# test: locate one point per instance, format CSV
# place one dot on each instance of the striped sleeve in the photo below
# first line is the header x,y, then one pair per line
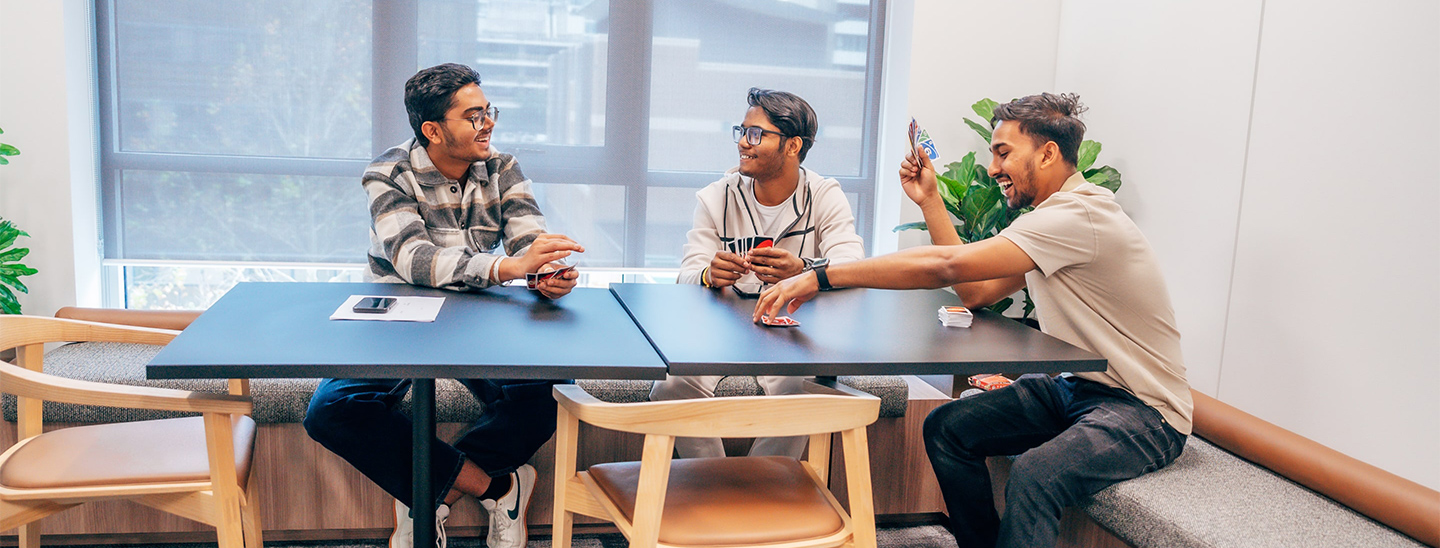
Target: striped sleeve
x,y
520,216
401,241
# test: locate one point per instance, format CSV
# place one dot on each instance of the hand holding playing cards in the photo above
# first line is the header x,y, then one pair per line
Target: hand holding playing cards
x,y
547,248
727,268
917,177
558,285
786,297
772,264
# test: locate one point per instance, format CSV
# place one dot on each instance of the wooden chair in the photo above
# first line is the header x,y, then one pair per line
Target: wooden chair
x,y
194,467
777,502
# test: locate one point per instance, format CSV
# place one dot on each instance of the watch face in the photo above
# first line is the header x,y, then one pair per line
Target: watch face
x,y
819,262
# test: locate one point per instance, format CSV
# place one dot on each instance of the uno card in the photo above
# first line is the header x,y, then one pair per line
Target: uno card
x,y
780,321
922,138
764,241
533,279
989,381
914,129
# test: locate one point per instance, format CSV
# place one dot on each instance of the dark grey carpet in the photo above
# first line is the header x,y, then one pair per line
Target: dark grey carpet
x,y
923,536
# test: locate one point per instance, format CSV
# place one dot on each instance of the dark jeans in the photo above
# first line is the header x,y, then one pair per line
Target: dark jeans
x,y
358,419
1074,437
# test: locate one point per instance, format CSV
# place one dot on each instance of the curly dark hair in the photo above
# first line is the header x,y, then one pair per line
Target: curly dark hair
x,y
791,114
430,92
1048,117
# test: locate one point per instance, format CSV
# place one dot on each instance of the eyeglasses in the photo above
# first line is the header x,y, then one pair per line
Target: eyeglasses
x,y
753,134
478,119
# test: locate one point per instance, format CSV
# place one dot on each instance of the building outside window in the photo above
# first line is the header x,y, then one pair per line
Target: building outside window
x,y
234,136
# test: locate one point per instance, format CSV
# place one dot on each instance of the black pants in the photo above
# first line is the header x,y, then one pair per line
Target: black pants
x,y
358,420
1074,437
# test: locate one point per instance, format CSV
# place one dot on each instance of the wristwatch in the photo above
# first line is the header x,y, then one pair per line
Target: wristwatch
x,y
818,265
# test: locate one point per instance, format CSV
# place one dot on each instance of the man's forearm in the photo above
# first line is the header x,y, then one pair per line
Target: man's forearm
x,y
926,267
937,222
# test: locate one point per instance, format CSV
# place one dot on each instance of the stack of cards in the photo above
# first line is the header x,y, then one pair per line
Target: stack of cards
x,y
533,279
919,136
989,381
780,321
955,316
741,246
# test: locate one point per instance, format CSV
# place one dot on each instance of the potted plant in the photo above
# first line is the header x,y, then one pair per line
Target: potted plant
x,y
975,200
11,269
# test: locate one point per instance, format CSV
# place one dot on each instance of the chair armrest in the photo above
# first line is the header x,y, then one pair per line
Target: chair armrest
x,y
16,331
177,320
33,384
1390,499
744,416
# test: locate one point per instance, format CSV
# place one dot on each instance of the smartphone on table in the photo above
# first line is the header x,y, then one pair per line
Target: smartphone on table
x,y
374,305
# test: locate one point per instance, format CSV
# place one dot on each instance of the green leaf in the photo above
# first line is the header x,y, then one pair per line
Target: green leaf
x,y
951,191
1089,150
9,307
910,226
8,150
990,220
985,109
1029,303
14,282
16,270
1002,306
962,172
3,161
5,293
984,131
1112,178
14,254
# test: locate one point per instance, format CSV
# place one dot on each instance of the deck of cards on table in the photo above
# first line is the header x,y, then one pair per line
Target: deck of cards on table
x,y
955,316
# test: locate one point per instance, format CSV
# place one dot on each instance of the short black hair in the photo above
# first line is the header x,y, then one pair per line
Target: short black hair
x,y
430,92
788,112
1048,117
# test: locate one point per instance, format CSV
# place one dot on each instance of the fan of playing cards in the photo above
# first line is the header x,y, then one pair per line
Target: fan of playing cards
x,y
955,316
918,136
533,279
741,246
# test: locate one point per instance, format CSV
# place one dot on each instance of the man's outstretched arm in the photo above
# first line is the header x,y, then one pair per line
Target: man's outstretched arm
x,y
997,261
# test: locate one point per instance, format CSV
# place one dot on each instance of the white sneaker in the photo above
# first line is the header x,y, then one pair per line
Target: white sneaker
x,y
404,535
507,515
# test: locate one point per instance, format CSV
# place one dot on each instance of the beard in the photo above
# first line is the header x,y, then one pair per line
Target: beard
x,y
1021,195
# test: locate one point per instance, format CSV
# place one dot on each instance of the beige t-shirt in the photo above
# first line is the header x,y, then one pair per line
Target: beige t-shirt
x,y
1099,287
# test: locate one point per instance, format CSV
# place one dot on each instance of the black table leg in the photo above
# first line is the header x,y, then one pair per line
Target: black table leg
x,y
423,430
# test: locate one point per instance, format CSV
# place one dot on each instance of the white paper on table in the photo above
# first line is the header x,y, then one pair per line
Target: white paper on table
x,y
406,309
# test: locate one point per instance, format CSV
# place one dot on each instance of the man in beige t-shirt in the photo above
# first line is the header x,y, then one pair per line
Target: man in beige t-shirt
x,y
1096,285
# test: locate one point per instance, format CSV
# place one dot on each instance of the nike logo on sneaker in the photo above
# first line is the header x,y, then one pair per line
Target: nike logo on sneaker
x,y
514,513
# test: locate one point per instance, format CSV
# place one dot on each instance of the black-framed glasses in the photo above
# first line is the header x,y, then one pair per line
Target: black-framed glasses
x,y
753,134
478,119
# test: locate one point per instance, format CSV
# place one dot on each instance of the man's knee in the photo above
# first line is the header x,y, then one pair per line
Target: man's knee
x,y
946,425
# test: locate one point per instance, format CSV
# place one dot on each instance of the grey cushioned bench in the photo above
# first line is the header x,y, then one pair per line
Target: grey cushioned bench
x,y
1209,498
285,400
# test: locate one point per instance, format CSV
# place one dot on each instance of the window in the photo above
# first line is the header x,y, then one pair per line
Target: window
x,y
233,135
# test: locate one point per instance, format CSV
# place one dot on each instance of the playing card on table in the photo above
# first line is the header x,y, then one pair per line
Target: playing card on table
x,y
780,321
955,316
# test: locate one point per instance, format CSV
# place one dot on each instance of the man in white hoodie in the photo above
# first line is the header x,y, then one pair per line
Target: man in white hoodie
x,y
769,195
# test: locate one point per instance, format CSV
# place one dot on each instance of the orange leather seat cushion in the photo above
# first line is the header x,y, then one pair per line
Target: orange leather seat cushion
x,y
158,451
729,501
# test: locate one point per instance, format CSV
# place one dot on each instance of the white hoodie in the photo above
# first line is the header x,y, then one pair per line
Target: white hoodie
x,y
818,215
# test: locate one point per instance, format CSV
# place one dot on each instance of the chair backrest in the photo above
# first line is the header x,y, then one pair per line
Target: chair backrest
x,y
744,416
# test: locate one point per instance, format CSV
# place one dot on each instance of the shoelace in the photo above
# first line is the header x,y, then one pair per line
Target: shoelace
x,y
440,540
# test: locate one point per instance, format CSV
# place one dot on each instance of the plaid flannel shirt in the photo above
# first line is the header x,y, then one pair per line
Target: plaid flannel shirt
x,y
432,231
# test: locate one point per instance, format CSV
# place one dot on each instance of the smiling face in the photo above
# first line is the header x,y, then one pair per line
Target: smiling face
x,y
455,137
1014,162
770,158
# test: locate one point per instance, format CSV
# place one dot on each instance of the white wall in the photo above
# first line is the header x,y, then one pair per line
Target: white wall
x,y
47,45
1290,203
963,52
1335,309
